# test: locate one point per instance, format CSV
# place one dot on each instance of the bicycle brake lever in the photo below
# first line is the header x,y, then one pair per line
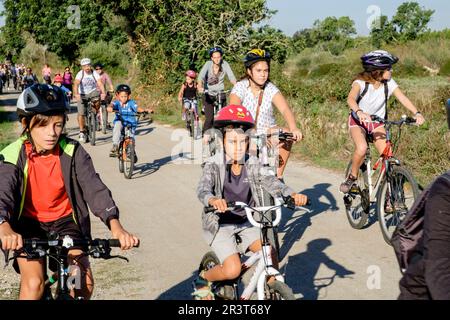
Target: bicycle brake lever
x,y
6,254
118,257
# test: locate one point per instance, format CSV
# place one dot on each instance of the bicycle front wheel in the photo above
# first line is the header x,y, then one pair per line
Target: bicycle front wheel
x,y
129,159
277,290
396,196
121,165
357,201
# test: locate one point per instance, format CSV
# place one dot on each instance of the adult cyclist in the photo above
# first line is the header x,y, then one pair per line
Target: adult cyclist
x,y
212,78
88,85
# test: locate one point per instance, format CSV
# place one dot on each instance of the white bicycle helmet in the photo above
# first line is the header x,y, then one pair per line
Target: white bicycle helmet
x,y
85,61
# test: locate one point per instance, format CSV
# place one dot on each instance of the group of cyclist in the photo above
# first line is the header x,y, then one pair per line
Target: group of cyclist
x,y
43,154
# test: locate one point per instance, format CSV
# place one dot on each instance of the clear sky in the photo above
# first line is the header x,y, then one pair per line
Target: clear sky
x,y
294,15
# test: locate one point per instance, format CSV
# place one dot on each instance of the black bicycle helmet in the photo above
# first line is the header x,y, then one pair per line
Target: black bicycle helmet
x,y
123,88
42,99
215,49
98,65
254,56
378,60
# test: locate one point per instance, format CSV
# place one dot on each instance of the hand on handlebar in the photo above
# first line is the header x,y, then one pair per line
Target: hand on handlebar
x,y
297,135
420,120
9,240
364,117
300,199
219,204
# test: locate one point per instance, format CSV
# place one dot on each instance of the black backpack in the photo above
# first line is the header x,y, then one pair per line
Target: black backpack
x,y
407,237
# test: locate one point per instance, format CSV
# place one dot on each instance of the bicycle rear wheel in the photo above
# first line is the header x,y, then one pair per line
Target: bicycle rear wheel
x,y
277,290
128,158
92,123
103,115
395,197
357,201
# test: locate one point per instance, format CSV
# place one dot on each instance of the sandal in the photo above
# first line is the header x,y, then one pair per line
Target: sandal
x,y
202,288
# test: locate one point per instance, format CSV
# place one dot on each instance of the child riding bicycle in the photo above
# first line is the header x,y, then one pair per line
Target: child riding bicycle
x,y
48,183
229,177
369,96
127,108
188,94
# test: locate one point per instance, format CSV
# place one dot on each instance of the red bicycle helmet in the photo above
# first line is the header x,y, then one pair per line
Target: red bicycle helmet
x,y
191,74
237,116
58,78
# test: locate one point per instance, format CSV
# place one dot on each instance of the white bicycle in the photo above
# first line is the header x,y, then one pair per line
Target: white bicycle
x,y
266,280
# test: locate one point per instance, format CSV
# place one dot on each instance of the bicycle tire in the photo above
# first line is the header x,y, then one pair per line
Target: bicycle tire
x,y
400,207
104,116
272,233
277,290
208,261
357,214
92,128
121,158
129,161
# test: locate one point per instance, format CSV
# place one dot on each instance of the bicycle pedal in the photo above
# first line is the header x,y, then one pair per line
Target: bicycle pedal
x,y
225,292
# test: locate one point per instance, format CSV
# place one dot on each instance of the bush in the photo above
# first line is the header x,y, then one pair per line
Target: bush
x,y
115,57
445,69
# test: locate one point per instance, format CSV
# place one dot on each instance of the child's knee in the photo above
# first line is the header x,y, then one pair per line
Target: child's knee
x,y
361,150
33,284
231,270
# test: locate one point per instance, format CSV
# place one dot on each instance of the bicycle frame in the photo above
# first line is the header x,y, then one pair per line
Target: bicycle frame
x,y
383,164
265,266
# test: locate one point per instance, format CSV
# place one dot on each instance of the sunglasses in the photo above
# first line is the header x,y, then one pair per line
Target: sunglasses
x,y
98,68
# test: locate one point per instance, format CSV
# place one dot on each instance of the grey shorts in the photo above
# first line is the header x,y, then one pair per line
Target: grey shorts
x,y
82,105
224,243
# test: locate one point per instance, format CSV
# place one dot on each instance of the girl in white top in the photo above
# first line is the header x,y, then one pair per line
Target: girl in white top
x,y
247,93
378,74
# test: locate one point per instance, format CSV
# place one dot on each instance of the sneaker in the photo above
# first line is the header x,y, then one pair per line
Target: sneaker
x,y
347,185
114,151
82,137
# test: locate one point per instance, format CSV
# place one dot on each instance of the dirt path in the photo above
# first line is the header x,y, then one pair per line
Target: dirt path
x,y
159,204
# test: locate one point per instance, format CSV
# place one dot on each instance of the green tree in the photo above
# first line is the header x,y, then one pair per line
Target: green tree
x,y
170,36
411,20
383,32
47,22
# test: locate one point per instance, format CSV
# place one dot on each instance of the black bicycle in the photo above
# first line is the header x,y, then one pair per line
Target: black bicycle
x,y
56,250
93,107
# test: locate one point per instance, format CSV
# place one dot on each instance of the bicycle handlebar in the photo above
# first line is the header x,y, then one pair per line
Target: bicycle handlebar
x,y
287,202
404,120
68,242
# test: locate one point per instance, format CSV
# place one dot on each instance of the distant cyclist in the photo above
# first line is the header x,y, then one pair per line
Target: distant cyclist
x,y
29,78
87,86
212,78
47,74
107,83
369,95
188,94
127,108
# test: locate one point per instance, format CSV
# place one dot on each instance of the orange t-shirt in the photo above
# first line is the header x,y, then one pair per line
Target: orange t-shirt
x,y
46,199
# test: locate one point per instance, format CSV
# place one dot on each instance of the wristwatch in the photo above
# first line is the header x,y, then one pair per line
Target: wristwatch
x,y
418,112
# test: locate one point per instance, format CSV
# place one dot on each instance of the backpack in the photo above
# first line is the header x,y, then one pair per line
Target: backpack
x,y
407,238
386,95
